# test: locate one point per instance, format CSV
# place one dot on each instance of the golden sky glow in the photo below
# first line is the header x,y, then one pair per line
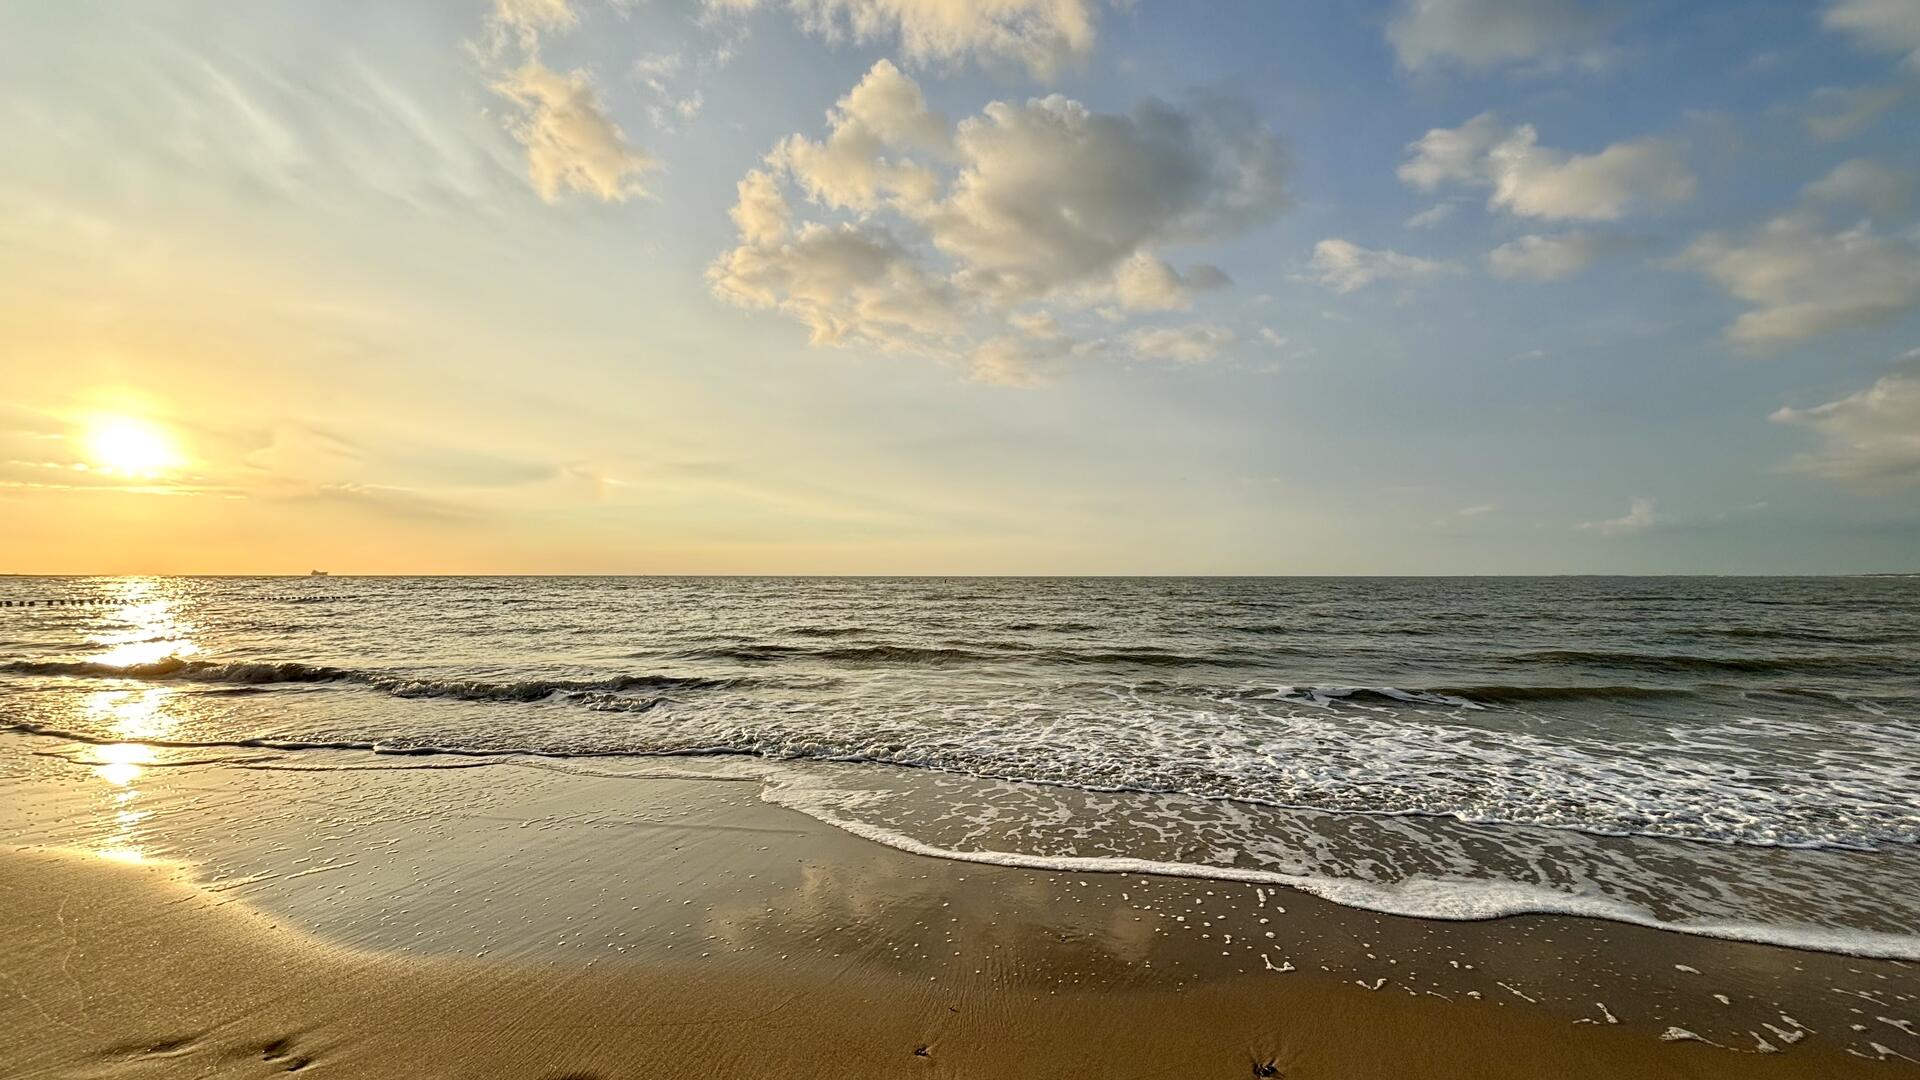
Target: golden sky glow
x,y
980,286
132,447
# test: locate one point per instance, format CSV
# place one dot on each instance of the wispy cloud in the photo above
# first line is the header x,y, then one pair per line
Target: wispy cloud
x,y
1344,266
1872,437
1639,517
1042,35
1485,33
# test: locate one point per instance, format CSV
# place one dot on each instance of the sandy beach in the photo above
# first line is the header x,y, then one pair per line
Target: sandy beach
x,y
375,918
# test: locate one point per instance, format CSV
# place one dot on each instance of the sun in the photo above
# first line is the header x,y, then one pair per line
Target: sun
x,y
131,447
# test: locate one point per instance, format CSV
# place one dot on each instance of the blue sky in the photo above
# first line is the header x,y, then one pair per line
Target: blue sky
x,y
934,286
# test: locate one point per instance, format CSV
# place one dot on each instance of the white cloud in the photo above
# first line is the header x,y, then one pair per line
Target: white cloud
x,y
1535,181
655,68
1146,283
842,281
761,212
1192,344
1464,514
849,168
1803,279
1879,25
1482,33
1344,266
1639,516
1549,258
1051,194
1013,360
1433,215
1044,203
1885,193
1841,113
1872,437
1039,325
572,144
1040,34
523,21
1274,338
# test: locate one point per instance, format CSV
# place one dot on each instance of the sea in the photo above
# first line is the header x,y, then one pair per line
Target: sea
x,y
1732,757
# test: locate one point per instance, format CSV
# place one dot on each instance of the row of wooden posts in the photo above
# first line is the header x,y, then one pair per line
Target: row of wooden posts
x,y
91,601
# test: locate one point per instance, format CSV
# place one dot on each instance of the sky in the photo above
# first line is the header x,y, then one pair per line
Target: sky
x,y
960,286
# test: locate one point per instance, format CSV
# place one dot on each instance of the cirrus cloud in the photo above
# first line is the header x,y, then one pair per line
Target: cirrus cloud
x,y
1039,34
1484,33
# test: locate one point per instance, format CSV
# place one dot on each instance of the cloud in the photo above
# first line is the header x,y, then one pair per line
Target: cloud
x,y
1885,193
1872,437
1145,283
1841,113
956,240
1464,514
1535,181
523,21
1192,344
1549,258
572,144
1878,25
1039,34
844,282
848,169
1051,194
1025,360
1344,266
1433,215
1803,279
1639,516
1484,33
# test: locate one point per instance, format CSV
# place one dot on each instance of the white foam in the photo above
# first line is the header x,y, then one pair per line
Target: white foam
x,y
1450,899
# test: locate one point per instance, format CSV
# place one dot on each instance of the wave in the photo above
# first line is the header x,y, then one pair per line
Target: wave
x,y
1329,695
1516,695
1448,899
1682,662
938,656
264,672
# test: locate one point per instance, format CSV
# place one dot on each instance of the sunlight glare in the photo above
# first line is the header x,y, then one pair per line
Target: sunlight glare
x,y
131,446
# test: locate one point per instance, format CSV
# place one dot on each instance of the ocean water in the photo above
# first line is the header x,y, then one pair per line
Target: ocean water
x,y
1738,757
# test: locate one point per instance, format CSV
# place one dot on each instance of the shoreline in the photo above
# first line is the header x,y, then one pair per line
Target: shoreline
x,y
1451,900
531,900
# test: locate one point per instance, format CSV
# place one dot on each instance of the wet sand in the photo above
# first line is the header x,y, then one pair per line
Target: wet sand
x,y
242,918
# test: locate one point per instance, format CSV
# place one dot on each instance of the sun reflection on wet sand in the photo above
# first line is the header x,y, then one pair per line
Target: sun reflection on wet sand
x,y
133,715
130,714
146,627
120,763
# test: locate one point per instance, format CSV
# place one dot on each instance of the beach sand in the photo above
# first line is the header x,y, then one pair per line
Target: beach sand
x,y
240,918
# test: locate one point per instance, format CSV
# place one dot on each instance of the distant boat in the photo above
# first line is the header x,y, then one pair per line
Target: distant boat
x,y
316,573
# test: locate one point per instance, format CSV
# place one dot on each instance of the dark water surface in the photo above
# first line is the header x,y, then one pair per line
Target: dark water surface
x,y
1733,756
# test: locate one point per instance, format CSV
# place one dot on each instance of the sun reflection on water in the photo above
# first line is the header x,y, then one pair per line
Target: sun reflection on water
x,y
132,715
152,628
